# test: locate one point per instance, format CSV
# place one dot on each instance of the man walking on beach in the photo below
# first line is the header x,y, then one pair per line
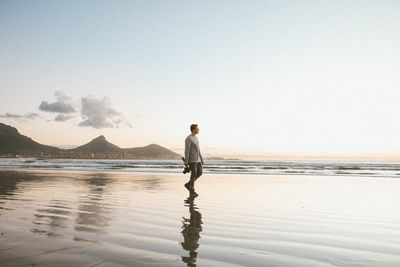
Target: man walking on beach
x,y
193,156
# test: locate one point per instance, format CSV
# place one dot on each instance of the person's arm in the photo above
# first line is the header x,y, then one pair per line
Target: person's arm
x,y
187,150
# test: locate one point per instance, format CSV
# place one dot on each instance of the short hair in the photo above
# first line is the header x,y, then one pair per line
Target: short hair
x,y
193,127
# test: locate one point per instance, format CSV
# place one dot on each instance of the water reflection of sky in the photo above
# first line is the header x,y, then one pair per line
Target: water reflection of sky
x,y
88,218
60,201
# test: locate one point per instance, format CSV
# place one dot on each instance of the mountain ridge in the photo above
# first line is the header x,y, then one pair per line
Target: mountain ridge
x,y
13,143
98,145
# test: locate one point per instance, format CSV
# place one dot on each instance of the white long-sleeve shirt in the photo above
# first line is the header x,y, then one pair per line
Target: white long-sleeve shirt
x,y
192,149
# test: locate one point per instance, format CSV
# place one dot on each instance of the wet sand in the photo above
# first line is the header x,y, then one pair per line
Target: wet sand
x,y
50,218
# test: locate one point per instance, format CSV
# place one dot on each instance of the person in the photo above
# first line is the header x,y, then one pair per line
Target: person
x,y
193,157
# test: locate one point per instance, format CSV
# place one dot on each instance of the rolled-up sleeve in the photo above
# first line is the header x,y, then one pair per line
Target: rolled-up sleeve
x,y
187,150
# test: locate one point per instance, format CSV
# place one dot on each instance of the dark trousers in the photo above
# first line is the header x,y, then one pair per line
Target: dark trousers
x,y
196,170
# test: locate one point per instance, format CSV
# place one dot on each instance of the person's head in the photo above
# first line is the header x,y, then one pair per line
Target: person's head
x,y
194,128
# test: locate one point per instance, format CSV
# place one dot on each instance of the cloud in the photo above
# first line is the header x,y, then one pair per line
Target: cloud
x,y
62,117
19,117
98,113
62,105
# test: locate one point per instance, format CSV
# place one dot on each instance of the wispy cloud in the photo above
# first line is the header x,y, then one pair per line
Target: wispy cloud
x,y
32,115
18,117
11,116
62,105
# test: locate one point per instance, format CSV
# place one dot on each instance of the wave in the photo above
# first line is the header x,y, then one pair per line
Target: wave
x,y
367,169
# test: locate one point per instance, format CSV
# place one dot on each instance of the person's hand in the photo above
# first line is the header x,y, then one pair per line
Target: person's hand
x,y
186,164
202,163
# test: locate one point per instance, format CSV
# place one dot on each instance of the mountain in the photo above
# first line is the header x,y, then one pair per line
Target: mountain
x,y
98,145
12,142
153,151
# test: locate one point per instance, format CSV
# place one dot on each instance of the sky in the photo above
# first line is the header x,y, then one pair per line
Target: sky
x,y
260,78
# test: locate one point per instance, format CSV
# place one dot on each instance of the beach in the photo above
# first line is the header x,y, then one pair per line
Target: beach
x,y
81,218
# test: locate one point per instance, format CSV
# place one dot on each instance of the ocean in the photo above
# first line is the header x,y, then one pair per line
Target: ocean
x,y
319,168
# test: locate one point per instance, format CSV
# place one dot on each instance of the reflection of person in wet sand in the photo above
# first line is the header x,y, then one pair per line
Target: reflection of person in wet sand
x,y
191,229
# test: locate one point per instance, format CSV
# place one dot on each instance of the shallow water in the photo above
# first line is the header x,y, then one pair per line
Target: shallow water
x,y
135,219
